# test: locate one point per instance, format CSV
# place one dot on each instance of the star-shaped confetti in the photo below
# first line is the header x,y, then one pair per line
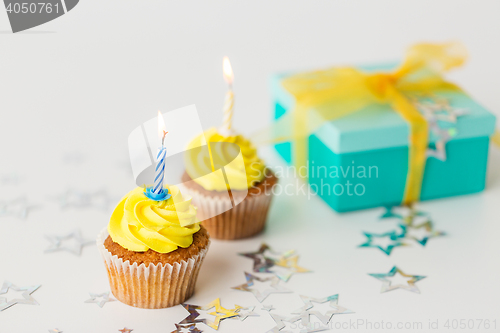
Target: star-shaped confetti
x,y
219,314
100,299
421,233
305,311
283,264
125,330
441,117
387,285
439,109
9,179
19,208
261,296
186,328
80,199
268,308
244,312
73,157
389,213
289,266
261,263
439,152
27,298
408,214
56,243
392,240
281,320
55,330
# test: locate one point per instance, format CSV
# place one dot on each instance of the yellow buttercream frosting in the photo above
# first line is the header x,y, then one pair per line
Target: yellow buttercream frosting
x,y
139,223
242,170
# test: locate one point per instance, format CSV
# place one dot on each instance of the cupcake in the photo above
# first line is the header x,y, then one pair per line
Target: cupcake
x,y
153,250
232,204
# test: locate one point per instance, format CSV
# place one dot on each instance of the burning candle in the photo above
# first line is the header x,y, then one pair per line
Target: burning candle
x,y
160,157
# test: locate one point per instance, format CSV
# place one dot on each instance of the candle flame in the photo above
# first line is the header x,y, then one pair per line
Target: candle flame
x,y
162,130
227,70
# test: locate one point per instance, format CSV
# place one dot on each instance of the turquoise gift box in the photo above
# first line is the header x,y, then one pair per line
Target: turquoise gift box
x,y
361,160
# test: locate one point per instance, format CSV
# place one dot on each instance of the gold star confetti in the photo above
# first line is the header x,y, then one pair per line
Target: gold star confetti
x,y
219,314
126,330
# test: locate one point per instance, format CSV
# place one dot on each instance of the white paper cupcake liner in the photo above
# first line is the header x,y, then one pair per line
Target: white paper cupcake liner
x,y
153,286
223,221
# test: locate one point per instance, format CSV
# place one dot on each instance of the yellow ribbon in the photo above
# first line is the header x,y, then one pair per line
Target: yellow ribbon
x,y
496,138
337,92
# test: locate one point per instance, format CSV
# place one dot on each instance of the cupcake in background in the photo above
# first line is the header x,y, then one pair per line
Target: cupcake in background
x,y
233,202
153,250
228,181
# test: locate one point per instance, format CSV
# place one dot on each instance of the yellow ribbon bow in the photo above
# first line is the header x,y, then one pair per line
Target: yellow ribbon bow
x,y
337,92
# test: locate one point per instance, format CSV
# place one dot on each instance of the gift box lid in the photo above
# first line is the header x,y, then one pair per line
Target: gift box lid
x,y
378,126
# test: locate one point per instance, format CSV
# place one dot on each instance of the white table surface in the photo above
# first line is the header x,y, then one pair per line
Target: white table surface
x,y
80,84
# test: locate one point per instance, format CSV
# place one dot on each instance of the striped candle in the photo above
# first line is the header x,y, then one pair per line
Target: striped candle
x,y
160,170
229,102
160,157
228,110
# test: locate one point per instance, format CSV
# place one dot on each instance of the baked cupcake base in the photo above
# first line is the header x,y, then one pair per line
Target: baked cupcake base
x,y
150,279
246,219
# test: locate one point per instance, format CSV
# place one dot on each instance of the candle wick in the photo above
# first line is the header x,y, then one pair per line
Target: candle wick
x,y
163,139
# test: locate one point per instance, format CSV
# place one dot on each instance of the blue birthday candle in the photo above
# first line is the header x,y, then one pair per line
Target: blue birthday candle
x,y
157,192
160,169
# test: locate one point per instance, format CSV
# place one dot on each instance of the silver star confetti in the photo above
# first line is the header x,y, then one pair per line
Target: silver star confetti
x,y
421,233
186,328
79,199
9,179
18,208
281,320
305,311
73,157
261,296
27,298
244,312
76,248
435,110
387,284
283,265
438,153
261,263
100,299
268,308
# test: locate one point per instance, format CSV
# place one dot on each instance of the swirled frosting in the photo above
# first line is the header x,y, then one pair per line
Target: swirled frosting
x,y
139,223
241,174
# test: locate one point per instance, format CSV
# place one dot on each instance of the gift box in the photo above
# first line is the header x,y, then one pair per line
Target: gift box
x,y
361,159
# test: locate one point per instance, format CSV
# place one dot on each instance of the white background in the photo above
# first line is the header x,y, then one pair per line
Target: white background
x,y
80,84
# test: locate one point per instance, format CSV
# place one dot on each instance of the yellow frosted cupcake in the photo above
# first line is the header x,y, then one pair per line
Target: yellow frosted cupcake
x,y
233,203
153,250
